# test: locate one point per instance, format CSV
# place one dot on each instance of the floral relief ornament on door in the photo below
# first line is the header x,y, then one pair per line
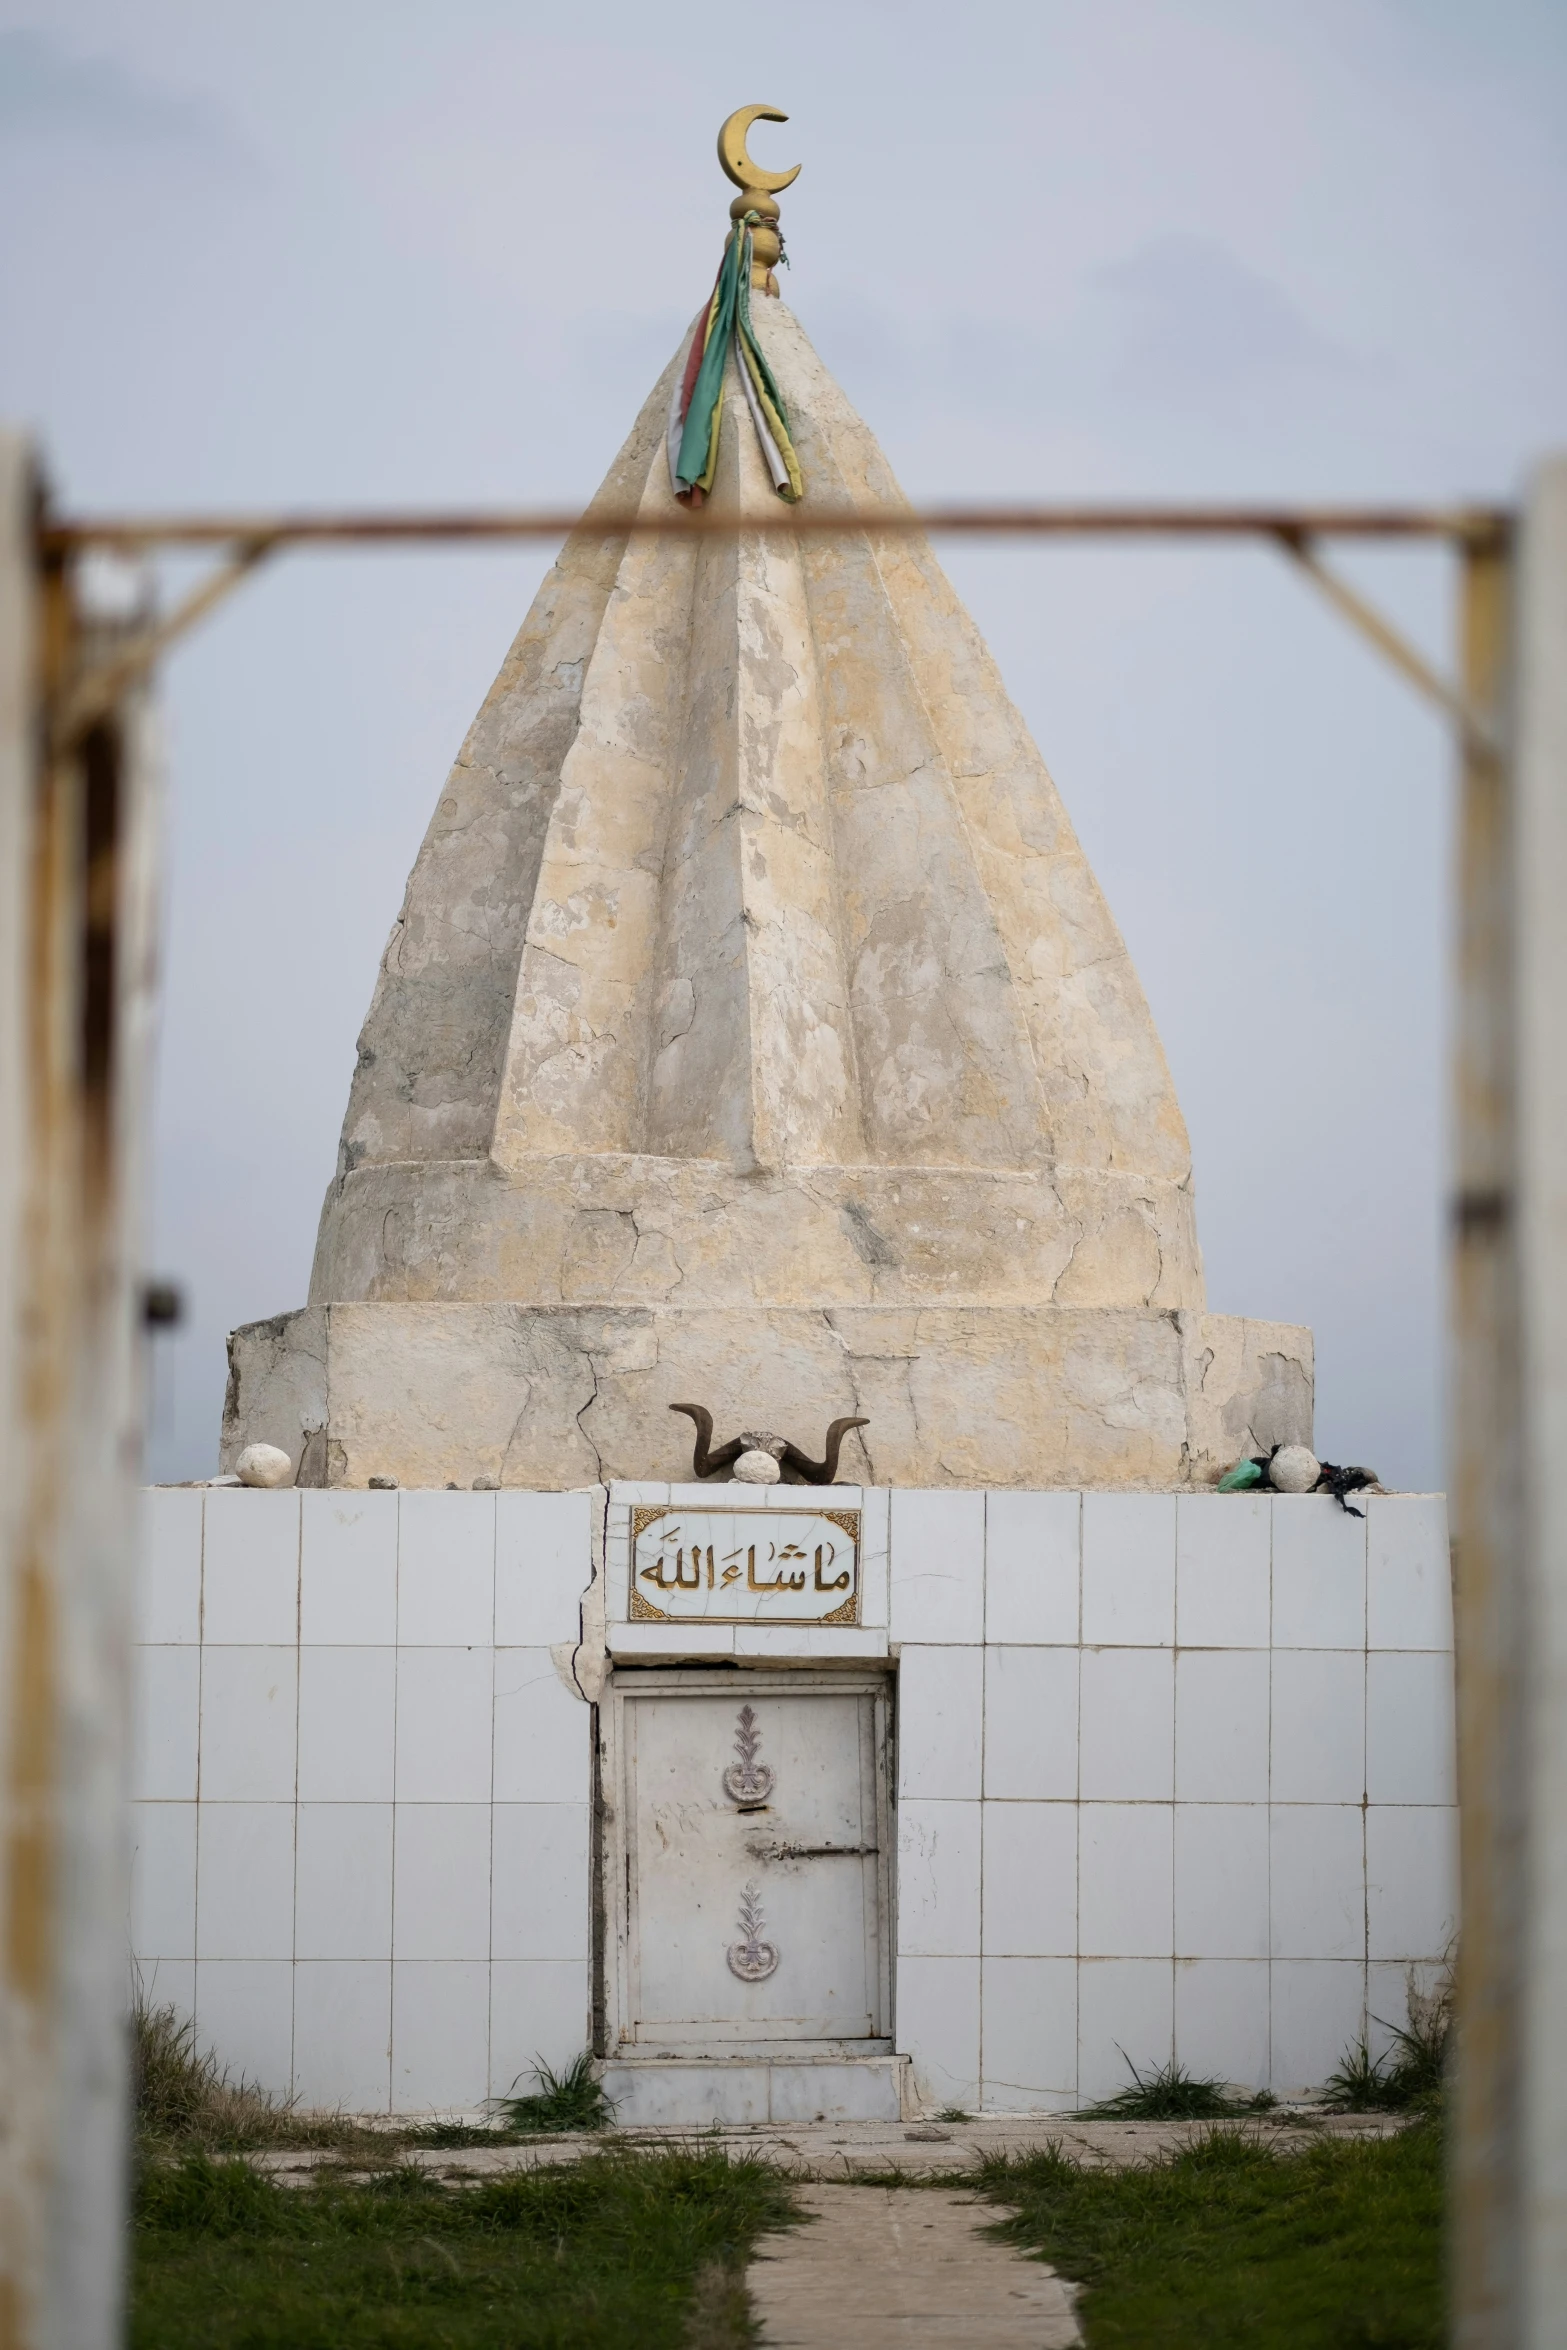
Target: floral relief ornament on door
x,y
753,1960
747,1782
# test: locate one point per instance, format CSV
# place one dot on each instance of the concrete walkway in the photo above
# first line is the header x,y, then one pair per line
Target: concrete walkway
x,y
885,2269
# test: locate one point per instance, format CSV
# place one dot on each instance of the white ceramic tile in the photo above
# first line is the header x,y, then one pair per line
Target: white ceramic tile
x,y
245,1881
762,1498
1031,1722
166,1735
1125,1878
445,1719
1411,1880
938,1879
343,2035
938,1566
169,1597
1029,2035
166,1982
249,1720
1128,1569
441,1881
1221,1726
1410,1738
1318,1868
343,1881
245,2016
445,1569
250,1565
542,1732
1221,2020
1125,2017
538,2012
163,1880
1409,1582
440,2038
1032,1546
1319,1573
347,1724
539,1904
1029,1904
875,1570
1318,2009
1127,1733
676,1643
1319,1725
1222,1570
938,2029
805,1643
543,1565
348,1568
1221,1881
941,1709
1388,1986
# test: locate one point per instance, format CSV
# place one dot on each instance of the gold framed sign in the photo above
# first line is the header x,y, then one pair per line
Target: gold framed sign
x,y
716,1566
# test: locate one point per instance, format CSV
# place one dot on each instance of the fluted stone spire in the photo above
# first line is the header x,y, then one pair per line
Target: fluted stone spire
x,y
755,1030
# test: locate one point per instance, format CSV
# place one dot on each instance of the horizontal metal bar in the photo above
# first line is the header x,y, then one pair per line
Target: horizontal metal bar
x,y
1466,525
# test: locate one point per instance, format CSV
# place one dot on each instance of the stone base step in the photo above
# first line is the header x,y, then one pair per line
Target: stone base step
x,y
691,2092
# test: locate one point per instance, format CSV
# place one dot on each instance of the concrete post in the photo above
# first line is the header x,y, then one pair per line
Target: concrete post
x,y
1509,1445
1541,1062
75,992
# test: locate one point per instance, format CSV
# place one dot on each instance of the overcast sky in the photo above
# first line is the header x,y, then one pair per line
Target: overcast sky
x,y
437,253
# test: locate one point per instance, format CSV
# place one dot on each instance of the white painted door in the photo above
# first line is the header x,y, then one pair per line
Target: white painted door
x,y
755,1861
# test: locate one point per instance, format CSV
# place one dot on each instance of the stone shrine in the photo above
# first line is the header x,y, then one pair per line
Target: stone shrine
x,y
754,1031
755,1061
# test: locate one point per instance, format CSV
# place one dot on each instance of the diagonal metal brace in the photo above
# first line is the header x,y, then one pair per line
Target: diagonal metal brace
x,y
92,695
1478,733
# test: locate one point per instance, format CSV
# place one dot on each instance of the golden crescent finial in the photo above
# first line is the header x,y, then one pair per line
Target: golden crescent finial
x,y
737,163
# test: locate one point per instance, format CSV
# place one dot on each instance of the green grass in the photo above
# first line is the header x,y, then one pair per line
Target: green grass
x,y
572,2100
1229,2243
186,2102
1406,2078
1171,2094
615,2252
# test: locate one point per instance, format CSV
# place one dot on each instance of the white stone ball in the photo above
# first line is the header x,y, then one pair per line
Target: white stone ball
x,y
264,1464
757,1468
1293,1469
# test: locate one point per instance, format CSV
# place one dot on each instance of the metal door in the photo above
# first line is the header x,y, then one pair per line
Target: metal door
x,y
752,1861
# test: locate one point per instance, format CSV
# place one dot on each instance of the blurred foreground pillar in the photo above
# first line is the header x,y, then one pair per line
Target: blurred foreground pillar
x,y
75,997
1509,1445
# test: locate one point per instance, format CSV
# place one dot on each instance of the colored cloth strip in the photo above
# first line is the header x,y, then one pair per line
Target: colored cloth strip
x,y
696,407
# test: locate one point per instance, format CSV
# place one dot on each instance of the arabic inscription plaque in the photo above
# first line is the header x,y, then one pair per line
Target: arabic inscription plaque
x,y
709,1566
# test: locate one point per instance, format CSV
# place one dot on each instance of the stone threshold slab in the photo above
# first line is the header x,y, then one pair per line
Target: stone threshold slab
x,y
838,2151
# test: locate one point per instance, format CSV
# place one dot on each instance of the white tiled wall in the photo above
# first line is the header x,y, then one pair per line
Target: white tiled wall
x,y
361,1853
1175,1778
1216,1777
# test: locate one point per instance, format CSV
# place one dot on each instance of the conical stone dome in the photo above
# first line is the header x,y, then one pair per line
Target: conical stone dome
x,y
754,1032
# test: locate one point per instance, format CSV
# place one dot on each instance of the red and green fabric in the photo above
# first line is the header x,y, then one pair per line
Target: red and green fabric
x,y
697,410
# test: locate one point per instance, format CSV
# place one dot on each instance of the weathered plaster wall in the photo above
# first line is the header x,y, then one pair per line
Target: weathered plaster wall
x,y
434,1394
755,1030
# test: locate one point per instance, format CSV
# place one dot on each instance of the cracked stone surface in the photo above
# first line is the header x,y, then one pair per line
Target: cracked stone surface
x,y
754,1028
